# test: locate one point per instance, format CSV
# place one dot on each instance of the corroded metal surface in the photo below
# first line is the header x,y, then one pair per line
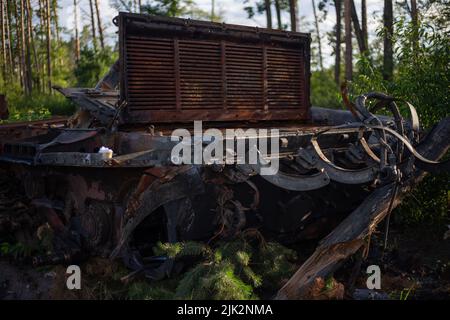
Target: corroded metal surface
x,y
25,129
184,70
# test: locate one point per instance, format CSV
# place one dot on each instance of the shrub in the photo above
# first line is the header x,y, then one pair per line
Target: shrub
x,y
422,77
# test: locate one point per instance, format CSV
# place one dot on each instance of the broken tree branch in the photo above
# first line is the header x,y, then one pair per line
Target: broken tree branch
x,y
350,235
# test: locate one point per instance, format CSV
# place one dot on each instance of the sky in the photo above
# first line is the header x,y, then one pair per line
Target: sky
x,y
233,12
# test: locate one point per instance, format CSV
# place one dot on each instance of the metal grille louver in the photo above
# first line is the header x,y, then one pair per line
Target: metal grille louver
x,y
183,70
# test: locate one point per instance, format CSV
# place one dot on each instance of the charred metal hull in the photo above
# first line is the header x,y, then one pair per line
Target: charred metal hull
x,y
121,206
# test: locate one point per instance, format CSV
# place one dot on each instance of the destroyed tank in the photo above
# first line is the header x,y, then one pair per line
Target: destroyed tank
x,y
106,181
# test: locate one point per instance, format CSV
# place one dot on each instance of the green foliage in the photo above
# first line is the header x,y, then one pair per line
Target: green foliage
x,y
424,72
329,284
15,250
402,294
5,248
181,249
274,264
40,105
37,106
229,270
369,78
324,91
259,8
27,115
93,65
175,8
62,65
235,270
142,290
427,204
422,77
213,280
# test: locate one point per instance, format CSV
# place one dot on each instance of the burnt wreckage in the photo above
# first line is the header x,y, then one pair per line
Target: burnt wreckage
x,y
170,73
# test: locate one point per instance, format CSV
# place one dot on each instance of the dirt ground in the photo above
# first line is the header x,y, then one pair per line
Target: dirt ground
x,y
415,265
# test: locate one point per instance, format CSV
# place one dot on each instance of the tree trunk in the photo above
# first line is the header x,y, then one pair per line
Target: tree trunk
x,y
337,53
42,37
77,39
364,23
26,60
31,42
388,59
12,68
20,48
358,32
268,13
348,40
414,12
4,63
294,15
94,37
58,59
55,19
278,12
99,25
316,22
49,45
415,24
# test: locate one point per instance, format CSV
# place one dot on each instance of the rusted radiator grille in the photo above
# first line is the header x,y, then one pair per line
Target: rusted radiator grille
x,y
180,70
200,75
285,86
151,76
244,76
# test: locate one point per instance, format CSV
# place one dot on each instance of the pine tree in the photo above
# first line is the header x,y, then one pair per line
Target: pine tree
x,y
268,13
32,44
25,51
337,50
388,59
3,39
348,40
49,44
294,15
357,28
94,36
8,18
316,23
364,23
99,25
77,38
415,24
278,13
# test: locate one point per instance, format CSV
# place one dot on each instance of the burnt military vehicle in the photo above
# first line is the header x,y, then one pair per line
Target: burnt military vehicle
x,y
107,182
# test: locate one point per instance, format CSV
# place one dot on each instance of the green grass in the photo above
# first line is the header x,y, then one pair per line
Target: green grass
x,y
37,107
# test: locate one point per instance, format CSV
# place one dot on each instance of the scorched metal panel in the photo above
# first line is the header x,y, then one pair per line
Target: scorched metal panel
x,y
178,70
